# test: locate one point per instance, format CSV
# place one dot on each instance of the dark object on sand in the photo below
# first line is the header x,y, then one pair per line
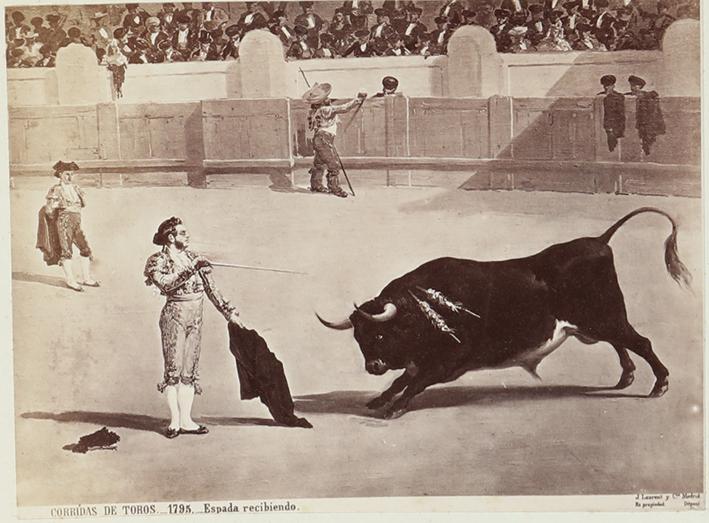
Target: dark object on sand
x,y
261,375
102,439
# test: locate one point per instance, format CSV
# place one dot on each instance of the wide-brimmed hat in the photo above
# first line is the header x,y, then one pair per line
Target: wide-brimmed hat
x,y
502,13
382,12
536,8
53,18
232,30
153,20
318,93
326,38
183,18
62,166
361,33
306,4
99,14
469,13
414,9
440,20
119,32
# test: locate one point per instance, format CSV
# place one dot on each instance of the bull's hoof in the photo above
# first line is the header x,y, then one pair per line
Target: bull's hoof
x,y
625,380
377,403
660,388
394,413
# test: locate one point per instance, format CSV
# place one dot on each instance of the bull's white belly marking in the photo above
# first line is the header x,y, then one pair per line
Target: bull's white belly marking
x,y
529,359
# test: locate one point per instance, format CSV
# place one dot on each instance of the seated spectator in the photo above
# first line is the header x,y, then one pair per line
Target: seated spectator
x,y
326,49
206,50
396,46
32,48
414,27
47,57
439,37
56,35
154,34
300,49
554,39
625,38
279,27
362,47
134,20
38,27
252,18
339,27
469,17
231,48
501,29
139,50
452,11
168,53
185,38
518,40
100,32
587,40
16,58
383,29
74,36
308,19
167,17
485,16
17,28
538,26
211,13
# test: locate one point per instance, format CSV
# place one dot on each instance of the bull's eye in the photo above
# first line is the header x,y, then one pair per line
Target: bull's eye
x,y
379,337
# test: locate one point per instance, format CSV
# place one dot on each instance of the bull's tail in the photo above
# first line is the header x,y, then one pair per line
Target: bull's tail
x,y
674,265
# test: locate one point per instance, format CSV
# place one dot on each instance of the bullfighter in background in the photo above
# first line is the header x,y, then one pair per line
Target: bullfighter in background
x,y
613,111
323,119
648,115
60,227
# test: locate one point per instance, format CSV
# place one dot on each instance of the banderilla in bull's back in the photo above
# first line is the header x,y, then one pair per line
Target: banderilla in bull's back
x,y
516,313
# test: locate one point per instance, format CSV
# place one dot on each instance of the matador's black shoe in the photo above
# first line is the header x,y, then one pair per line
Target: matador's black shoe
x,y
199,430
318,188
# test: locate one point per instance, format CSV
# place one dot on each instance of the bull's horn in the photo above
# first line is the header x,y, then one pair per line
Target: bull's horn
x,y
388,314
340,326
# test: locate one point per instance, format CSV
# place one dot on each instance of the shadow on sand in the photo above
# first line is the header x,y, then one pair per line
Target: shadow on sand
x,y
53,281
281,183
354,402
137,421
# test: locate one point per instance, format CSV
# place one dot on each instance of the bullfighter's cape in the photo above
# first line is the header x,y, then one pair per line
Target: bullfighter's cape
x,y
48,237
261,375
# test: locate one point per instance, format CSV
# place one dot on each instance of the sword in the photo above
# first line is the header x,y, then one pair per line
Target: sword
x,y
253,267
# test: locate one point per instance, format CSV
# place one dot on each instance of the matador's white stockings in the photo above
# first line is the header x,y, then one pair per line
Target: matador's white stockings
x,y
86,270
69,274
179,399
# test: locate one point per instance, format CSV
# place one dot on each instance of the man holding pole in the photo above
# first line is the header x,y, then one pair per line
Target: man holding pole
x,y
322,120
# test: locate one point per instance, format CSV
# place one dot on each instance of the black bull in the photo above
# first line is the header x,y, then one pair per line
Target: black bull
x,y
451,315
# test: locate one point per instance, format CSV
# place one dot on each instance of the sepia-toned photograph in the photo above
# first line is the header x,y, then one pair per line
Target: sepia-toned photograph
x,y
389,256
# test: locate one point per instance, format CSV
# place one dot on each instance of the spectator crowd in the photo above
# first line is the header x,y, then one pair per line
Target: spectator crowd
x,y
188,33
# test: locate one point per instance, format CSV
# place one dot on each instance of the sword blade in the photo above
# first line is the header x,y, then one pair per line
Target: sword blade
x,y
253,267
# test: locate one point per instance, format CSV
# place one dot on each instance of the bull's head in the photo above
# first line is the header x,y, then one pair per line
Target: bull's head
x,y
378,328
